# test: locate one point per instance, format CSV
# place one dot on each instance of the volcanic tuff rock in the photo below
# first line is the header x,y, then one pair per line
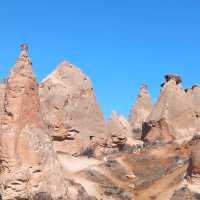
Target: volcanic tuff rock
x,y
120,130
28,162
56,144
178,107
118,126
140,111
70,108
157,131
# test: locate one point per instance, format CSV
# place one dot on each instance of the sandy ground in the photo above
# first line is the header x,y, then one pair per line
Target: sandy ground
x,y
75,164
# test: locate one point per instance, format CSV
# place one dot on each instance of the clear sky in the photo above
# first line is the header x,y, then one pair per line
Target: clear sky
x,y
118,44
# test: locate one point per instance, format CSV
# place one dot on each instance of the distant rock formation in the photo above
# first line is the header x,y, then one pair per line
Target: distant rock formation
x,y
70,108
178,107
117,125
140,111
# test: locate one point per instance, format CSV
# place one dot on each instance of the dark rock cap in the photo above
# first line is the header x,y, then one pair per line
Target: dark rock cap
x,y
175,77
195,86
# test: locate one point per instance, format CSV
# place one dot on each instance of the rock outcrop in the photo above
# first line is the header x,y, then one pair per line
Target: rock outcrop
x,y
157,132
178,107
140,111
70,109
28,161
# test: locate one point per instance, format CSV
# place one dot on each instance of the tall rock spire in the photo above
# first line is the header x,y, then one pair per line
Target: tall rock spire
x,y
23,56
28,162
140,111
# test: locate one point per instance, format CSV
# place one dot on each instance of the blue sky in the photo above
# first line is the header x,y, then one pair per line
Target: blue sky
x,y
118,44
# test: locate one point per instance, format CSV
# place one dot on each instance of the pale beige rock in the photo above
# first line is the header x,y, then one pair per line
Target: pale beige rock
x,y
179,107
119,138
118,125
140,111
70,108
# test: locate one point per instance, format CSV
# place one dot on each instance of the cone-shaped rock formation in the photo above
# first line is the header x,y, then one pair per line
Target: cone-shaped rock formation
x,y
140,111
70,108
179,107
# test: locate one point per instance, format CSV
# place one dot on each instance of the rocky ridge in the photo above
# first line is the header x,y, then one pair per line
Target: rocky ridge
x,y
56,144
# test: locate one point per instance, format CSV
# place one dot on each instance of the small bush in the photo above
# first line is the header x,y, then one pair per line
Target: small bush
x,y
88,151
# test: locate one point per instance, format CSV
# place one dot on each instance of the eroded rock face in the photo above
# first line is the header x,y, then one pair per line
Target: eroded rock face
x,y
158,131
70,108
140,111
119,138
178,107
118,126
28,161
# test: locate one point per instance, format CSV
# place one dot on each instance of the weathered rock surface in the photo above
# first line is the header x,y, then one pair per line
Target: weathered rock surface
x,y
2,94
140,111
29,164
158,131
119,129
185,194
55,144
178,107
70,109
